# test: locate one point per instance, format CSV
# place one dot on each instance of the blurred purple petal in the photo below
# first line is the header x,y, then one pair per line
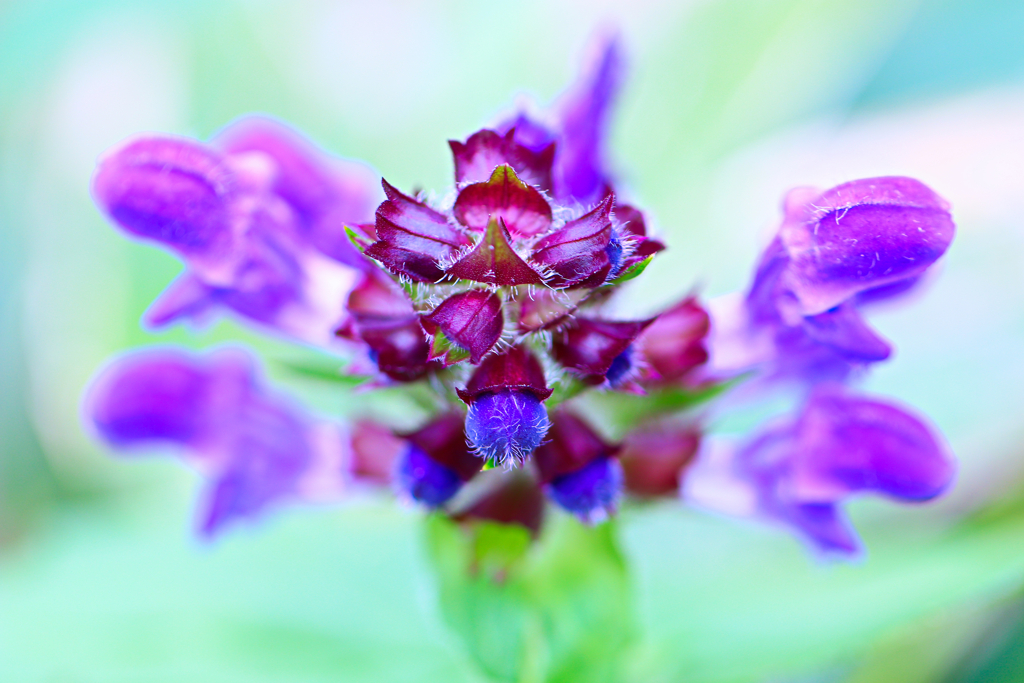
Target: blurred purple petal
x,y
863,235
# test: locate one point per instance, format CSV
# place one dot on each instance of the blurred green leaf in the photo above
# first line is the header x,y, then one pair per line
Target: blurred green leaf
x,y
557,609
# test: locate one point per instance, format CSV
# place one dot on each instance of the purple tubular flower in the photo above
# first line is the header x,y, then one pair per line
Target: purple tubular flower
x,y
253,216
506,419
583,120
425,480
862,235
326,192
256,448
838,446
577,466
861,241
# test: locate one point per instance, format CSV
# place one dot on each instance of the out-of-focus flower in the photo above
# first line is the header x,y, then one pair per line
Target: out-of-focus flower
x,y
258,217
801,469
255,447
437,461
863,240
654,457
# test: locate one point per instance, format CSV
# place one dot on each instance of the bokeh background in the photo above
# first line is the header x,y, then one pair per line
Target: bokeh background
x,y
728,103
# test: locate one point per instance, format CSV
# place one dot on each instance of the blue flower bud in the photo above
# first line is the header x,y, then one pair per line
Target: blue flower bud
x,y
590,492
424,479
506,424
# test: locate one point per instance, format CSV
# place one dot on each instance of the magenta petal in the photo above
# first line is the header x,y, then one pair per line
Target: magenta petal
x,y
578,252
516,369
653,458
505,197
413,238
476,159
590,346
472,319
171,190
494,262
570,445
384,319
673,344
863,235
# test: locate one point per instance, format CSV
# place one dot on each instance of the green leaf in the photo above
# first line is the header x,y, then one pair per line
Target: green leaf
x,y
633,271
554,609
620,412
356,239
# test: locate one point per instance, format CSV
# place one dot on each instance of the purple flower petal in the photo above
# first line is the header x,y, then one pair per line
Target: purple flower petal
x,y
505,197
493,261
577,254
485,150
844,330
862,235
580,168
170,190
472,319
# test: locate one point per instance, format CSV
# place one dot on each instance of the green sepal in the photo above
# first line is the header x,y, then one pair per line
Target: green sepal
x,y
633,271
358,241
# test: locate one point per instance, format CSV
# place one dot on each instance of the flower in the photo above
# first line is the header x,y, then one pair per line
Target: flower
x,y
861,241
490,309
258,217
800,469
255,447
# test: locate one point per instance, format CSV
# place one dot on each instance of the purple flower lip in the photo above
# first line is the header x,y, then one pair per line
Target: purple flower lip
x,y
174,191
521,207
471,319
507,425
493,261
577,253
476,159
513,370
838,446
590,346
444,440
412,238
862,235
